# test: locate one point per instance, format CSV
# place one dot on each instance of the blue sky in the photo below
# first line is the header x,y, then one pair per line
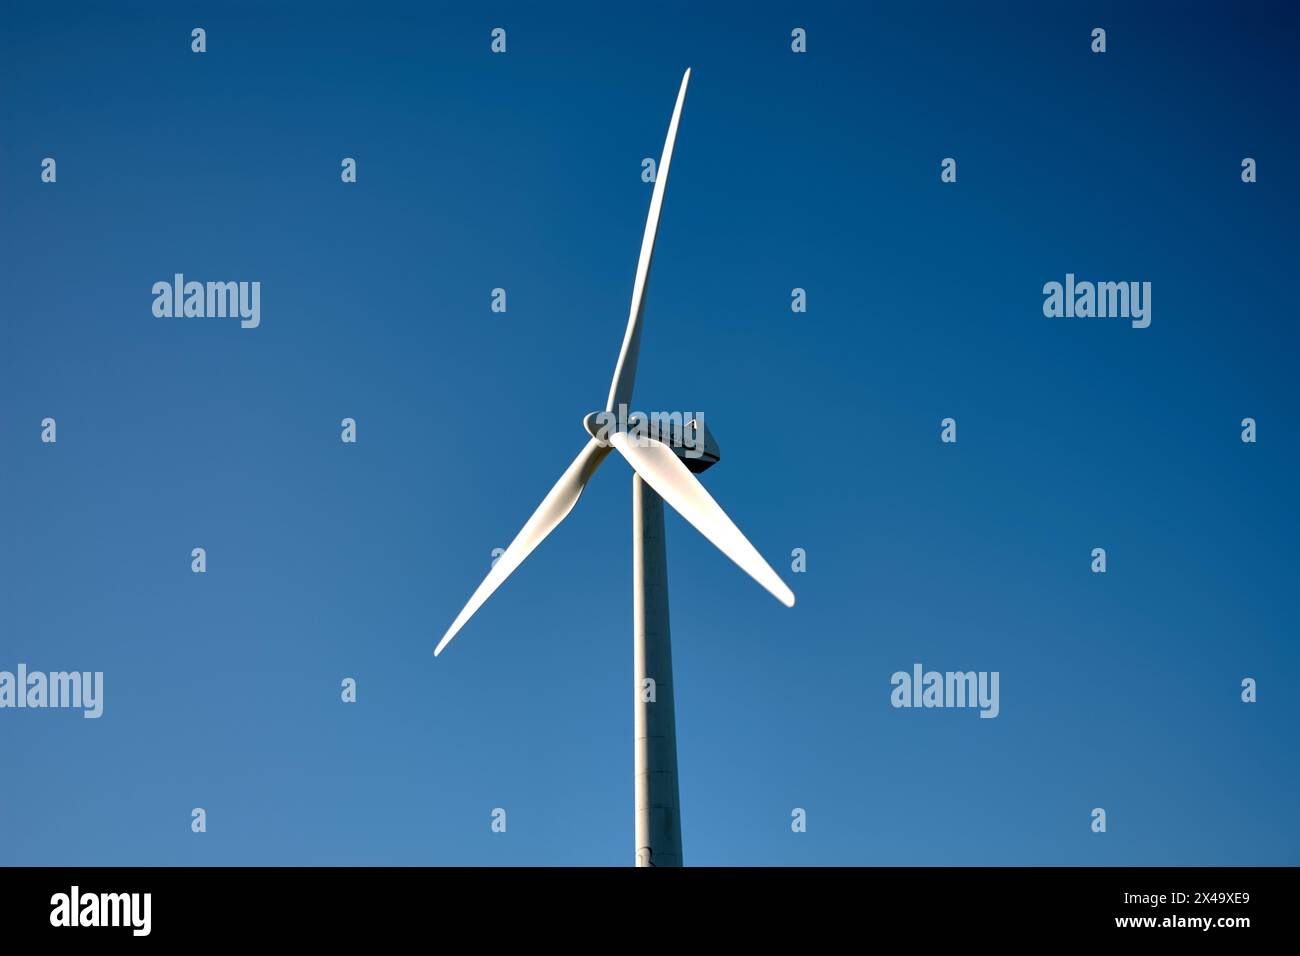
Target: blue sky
x,y
522,171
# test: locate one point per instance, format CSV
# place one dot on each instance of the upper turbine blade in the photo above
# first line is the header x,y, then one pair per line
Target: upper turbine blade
x,y
663,471
620,389
553,509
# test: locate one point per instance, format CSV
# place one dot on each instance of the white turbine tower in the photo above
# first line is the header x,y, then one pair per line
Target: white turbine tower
x,y
662,471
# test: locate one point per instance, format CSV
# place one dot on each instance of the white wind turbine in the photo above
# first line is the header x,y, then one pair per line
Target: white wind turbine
x,y
662,472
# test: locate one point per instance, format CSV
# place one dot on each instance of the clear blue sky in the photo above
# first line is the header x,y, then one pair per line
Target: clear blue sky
x,y
522,171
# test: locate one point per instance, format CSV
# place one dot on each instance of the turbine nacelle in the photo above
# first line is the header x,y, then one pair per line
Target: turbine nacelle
x,y
688,436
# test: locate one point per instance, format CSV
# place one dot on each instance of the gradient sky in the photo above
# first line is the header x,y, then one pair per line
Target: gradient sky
x,y
328,560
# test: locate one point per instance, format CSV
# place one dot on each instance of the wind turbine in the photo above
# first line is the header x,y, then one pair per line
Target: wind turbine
x,y
662,471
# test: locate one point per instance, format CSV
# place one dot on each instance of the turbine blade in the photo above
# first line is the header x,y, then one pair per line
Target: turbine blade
x,y
663,471
620,389
554,508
